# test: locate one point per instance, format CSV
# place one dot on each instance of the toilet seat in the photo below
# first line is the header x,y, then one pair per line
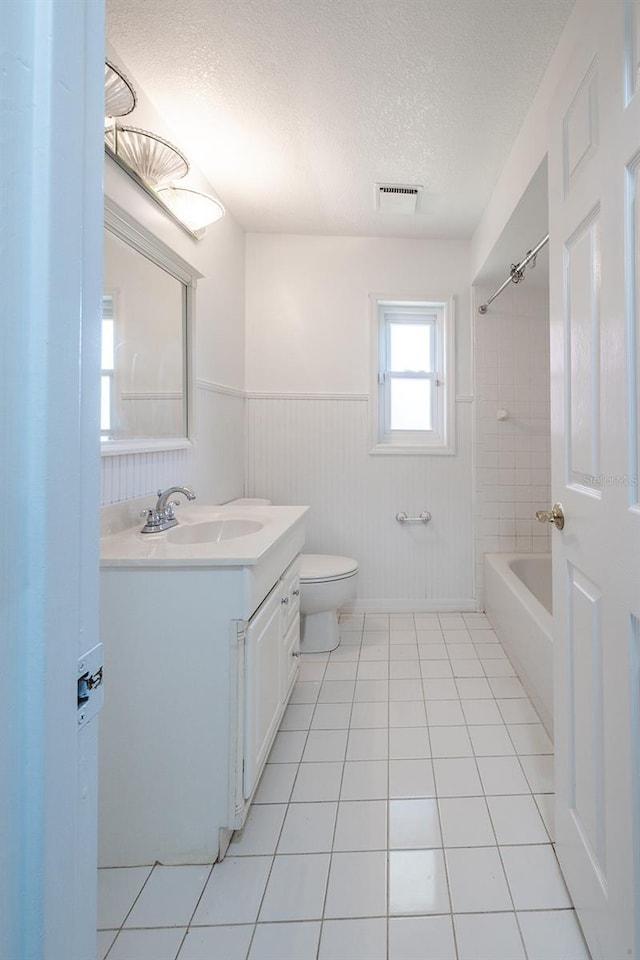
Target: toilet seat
x,y
325,568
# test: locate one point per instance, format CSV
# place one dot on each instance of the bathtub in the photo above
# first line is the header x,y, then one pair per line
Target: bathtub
x,y
518,604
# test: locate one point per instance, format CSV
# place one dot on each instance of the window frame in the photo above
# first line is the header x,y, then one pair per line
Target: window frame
x,y
441,438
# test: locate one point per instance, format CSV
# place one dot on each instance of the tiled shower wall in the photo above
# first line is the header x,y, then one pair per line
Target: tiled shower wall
x,y
512,456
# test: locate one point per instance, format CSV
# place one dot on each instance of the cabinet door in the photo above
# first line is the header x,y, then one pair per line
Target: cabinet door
x,y
263,688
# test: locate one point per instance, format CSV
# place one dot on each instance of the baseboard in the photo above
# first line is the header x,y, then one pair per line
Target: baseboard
x,y
411,606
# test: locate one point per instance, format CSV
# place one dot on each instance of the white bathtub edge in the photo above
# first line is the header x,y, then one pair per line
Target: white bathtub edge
x,y
525,629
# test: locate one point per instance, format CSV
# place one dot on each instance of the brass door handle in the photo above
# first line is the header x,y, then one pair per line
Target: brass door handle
x,y
555,516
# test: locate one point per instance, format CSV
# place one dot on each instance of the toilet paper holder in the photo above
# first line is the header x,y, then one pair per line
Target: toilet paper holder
x,y
423,517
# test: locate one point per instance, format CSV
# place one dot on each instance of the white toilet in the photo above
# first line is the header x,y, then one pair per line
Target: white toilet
x,y
327,582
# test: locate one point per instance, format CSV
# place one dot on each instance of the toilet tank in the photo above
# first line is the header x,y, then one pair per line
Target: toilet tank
x,y
248,502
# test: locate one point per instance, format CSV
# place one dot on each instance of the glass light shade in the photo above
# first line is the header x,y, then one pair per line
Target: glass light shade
x,y
156,161
196,210
119,95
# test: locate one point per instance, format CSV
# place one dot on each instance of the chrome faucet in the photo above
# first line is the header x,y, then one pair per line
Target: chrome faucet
x,y
162,516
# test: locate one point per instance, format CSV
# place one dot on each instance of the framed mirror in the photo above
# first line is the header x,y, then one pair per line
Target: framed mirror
x,y
147,340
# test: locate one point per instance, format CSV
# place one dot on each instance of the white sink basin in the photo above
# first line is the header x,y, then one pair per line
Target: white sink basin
x,y
207,535
213,531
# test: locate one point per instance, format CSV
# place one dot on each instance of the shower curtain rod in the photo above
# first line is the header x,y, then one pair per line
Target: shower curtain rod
x,y
516,275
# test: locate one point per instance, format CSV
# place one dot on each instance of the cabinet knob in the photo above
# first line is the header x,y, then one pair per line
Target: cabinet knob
x,y
285,600
296,593
295,653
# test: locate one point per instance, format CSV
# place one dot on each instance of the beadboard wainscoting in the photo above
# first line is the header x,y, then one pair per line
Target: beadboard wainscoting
x,y
125,476
214,466
314,449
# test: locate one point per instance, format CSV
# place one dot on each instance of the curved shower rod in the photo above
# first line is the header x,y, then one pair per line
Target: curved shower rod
x,y
517,273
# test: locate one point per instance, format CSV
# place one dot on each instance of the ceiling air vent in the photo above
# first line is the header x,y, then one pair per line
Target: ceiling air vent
x,y
397,197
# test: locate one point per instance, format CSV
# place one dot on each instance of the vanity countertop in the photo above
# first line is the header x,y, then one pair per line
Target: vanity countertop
x,y
130,548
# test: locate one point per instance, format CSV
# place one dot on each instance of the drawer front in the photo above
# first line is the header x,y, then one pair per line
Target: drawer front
x,y
291,652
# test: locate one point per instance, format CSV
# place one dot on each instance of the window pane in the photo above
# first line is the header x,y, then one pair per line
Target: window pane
x,y
410,346
410,405
107,344
105,403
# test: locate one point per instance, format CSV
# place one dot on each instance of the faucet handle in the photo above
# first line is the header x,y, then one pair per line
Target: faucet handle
x,y
153,518
169,512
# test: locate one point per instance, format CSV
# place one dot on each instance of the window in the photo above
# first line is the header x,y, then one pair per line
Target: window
x,y
108,367
413,395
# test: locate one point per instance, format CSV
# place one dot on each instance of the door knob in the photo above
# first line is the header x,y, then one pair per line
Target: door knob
x,y
555,516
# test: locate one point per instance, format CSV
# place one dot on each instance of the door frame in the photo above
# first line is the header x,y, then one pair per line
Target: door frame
x,y
52,90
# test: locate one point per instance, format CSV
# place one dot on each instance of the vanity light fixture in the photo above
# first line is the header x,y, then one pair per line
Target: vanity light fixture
x,y
119,96
196,210
155,160
154,163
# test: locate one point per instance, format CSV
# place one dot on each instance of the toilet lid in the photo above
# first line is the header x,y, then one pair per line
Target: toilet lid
x,y
323,566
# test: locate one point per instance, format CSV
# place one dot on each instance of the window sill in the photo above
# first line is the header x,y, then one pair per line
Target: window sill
x,y
413,450
115,448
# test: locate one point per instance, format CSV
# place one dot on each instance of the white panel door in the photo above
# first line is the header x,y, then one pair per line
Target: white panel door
x,y
594,215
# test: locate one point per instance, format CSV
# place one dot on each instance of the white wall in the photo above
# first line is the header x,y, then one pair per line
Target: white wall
x,y
529,149
308,315
215,467
512,456
308,378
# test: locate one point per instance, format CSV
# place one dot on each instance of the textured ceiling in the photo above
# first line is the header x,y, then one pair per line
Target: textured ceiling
x,y
294,109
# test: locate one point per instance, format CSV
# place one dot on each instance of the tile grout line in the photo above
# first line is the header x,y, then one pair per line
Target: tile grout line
x,y
496,845
491,818
437,795
373,916
136,898
335,825
193,912
387,866
284,819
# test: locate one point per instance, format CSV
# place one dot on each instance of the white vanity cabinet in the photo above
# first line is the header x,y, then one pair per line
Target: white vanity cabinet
x,y
200,659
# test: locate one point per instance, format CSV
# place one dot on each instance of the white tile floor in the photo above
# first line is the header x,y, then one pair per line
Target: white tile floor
x,y
405,814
